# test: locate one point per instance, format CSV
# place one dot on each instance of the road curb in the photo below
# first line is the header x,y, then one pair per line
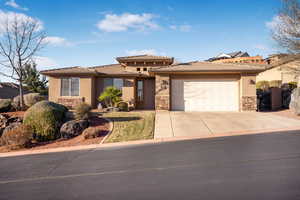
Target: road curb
x,y
111,128
140,142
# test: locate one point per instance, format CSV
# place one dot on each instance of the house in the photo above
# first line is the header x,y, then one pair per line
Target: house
x,y
154,82
283,67
237,57
223,56
8,90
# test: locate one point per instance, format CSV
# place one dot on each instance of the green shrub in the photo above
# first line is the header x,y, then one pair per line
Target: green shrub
x,y
82,111
19,136
262,85
111,96
275,83
292,85
5,105
45,119
123,106
32,98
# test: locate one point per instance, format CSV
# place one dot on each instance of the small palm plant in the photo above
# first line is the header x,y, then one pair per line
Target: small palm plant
x,y
110,96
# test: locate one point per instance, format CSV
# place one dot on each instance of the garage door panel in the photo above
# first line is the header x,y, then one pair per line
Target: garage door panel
x,y
204,95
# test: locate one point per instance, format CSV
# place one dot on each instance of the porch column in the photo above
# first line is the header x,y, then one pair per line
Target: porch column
x,y
248,99
162,92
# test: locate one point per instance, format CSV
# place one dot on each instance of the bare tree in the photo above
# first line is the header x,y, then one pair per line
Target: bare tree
x,y
286,26
20,40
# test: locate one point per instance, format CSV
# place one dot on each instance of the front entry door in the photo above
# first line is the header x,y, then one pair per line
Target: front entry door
x,y
145,94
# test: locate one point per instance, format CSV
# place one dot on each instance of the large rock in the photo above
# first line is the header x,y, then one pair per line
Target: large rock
x,y
295,101
29,100
73,128
45,118
3,122
5,105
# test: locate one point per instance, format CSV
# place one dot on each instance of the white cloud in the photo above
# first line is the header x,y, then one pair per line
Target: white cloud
x,y
57,41
118,23
9,17
141,52
182,28
45,62
13,4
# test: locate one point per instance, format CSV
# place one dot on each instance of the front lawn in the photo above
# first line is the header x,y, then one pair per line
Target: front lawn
x,y
129,126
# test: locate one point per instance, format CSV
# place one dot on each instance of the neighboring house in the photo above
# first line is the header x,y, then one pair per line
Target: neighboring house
x,y
283,67
154,82
237,57
8,90
222,56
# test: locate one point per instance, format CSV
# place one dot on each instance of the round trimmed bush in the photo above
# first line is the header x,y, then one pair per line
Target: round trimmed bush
x,y
45,118
82,111
263,85
18,136
123,106
5,105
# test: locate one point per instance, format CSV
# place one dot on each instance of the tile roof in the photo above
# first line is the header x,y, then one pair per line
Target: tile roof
x,y
69,70
144,57
114,69
211,67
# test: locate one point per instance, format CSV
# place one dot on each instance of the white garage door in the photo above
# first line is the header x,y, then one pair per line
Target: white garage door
x,y
204,95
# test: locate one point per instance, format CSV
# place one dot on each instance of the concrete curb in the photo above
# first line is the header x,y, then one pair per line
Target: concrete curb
x,y
140,142
111,128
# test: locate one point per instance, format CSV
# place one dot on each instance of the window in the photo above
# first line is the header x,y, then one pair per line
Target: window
x,y
138,69
116,82
69,87
145,69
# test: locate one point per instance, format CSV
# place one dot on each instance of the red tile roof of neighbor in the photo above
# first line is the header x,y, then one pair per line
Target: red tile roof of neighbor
x,y
144,58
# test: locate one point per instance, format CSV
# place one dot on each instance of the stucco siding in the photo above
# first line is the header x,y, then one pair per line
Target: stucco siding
x,y
284,72
54,89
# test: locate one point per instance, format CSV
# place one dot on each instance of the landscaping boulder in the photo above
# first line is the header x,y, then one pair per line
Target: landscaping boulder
x,y
32,98
295,101
3,121
91,132
73,128
45,118
5,105
29,100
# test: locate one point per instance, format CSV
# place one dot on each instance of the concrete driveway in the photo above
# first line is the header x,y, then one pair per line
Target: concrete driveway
x,y
214,124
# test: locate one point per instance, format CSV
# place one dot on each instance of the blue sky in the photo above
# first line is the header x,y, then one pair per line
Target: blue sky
x,y
93,32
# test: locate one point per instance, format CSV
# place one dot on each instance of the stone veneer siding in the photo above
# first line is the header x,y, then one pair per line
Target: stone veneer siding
x,y
162,92
70,102
249,103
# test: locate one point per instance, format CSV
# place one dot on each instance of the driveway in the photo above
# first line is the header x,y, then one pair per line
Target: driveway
x,y
214,124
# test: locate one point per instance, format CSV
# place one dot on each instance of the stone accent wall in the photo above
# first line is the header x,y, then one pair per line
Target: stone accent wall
x,y
70,102
248,103
162,92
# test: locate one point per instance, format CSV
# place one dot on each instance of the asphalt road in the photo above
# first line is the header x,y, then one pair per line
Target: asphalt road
x,y
265,166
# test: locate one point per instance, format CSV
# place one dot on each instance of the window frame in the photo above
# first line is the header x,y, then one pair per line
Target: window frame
x,y
113,81
70,87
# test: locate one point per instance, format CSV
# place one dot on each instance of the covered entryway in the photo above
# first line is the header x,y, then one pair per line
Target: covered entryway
x,y
204,95
145,93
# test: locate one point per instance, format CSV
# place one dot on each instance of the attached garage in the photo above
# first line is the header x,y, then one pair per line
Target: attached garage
x,y
205,86
204,95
